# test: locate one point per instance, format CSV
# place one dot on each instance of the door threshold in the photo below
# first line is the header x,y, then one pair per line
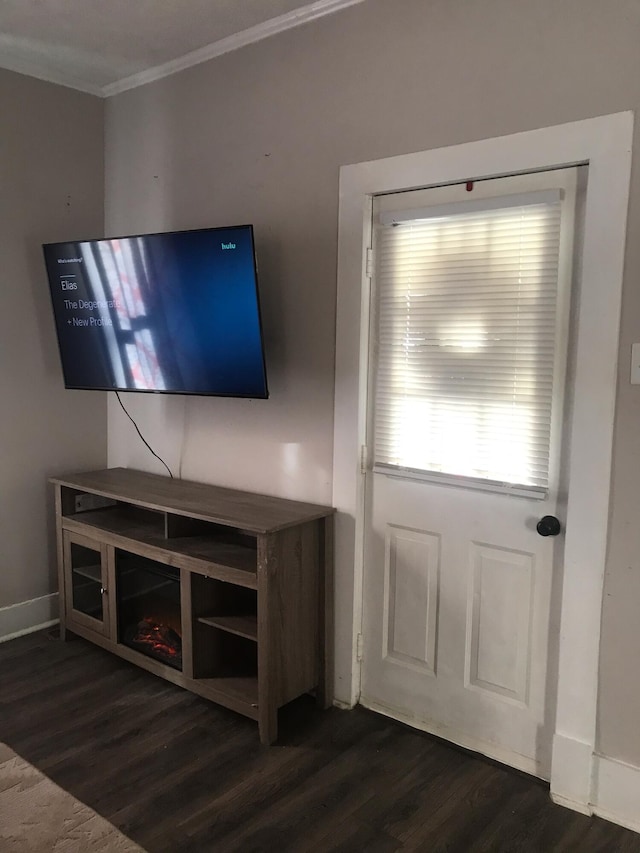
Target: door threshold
x,y
458,738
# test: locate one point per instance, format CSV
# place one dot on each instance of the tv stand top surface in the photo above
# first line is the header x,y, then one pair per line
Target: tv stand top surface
x,y
231,507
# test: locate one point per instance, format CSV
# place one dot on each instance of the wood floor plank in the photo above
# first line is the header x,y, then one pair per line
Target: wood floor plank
x,y
178,774
312,798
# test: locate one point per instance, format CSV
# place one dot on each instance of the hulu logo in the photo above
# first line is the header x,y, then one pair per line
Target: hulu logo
x,y
228,245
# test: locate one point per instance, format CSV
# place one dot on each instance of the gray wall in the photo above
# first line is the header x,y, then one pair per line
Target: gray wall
x,y
51,188
260,134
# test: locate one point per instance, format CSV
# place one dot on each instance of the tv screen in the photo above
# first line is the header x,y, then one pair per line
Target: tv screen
x,y
174,313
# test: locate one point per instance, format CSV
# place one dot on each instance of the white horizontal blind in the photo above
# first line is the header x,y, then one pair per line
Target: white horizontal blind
x,y
465,343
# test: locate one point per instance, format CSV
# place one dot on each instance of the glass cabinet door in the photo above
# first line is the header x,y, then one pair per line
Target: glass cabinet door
x,y
86,582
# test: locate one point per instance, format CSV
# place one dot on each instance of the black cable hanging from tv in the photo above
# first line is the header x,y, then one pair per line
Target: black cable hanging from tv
x,y
141,436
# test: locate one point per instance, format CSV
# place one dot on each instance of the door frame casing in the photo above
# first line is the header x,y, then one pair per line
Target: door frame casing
x,y
604,144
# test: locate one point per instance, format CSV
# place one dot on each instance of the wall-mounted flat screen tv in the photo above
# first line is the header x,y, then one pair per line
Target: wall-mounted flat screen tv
x,y
174,313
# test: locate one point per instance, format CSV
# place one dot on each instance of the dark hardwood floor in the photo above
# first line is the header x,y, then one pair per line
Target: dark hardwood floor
x,y
180,775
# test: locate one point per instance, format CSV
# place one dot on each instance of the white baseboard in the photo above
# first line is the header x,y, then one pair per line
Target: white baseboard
x,y
574,805
28,616
344,706
616,792
571,770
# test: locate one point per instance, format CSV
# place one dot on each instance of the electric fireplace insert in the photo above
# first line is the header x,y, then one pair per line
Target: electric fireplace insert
x,y
149,620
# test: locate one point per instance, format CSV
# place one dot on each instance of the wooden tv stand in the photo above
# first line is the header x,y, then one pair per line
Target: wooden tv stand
x,y
246,580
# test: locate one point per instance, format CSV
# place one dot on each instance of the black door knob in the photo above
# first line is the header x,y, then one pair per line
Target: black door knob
x,y
548,526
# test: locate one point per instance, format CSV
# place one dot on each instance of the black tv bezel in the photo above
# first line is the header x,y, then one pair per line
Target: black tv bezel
x,y
121,390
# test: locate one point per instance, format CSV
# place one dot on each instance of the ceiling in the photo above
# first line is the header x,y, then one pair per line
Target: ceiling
x,y
107,47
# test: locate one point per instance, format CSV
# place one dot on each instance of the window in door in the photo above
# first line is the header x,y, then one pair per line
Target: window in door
x,y
469,314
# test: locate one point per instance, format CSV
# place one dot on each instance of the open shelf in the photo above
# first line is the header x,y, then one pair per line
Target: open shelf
x,y
226,606
123,520
219,653
217,552
240,689
242,626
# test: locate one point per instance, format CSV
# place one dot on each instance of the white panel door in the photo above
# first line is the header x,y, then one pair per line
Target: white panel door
x,y
457,580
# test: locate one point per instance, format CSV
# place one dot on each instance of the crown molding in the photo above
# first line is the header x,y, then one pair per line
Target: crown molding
x,y
46,72
262,31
